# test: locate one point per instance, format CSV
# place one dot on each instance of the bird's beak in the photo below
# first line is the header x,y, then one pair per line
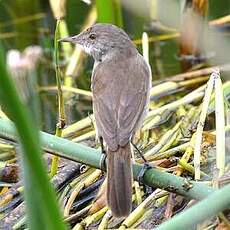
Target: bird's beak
x,y
74,39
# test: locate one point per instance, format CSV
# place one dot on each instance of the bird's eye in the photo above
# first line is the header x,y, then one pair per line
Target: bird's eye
x,y
92,36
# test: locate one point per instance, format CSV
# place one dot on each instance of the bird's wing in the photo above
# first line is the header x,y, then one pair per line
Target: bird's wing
x,y
120,97
134,100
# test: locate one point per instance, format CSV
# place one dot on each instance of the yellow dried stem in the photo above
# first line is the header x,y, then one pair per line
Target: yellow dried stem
x,y
81,177
193,81
83,184
220,124
77,126
73,195
91,219
200,127
92,178
162,88
141,209
85,136
146,215
169,153
166,140
105,220
149,123
188,167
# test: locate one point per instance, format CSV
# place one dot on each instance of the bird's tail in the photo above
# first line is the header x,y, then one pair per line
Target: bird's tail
x,y
119,187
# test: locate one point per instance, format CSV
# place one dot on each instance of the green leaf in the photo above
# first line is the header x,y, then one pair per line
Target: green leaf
x,y
42,209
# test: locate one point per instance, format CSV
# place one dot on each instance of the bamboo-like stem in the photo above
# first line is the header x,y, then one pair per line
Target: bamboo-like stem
x,y
79,213
85,136
80,153
105,220
164,88
220,124
190,168
212,205
91,219
186,156
165,142
77,126
61,109
169,153
199,131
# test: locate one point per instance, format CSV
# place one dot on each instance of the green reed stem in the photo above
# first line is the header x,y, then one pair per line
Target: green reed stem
x,y
61,107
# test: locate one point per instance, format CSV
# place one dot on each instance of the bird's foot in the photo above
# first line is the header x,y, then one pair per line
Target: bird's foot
x,y
146,166
103,161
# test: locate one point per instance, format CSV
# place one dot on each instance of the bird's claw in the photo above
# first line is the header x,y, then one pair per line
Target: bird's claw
x,y
146,166
103,161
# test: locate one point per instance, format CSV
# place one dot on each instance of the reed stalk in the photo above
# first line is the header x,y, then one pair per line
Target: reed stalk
x,y
200,127
220,124
61,107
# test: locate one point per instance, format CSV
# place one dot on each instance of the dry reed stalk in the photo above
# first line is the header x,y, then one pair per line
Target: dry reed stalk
x,y
200,127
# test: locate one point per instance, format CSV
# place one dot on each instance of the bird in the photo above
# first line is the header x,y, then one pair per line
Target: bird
x,y
120,84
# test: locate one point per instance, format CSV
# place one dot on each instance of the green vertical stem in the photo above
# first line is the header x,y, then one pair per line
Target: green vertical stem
x,y
63,32
55,159
61,108
109,12
117,13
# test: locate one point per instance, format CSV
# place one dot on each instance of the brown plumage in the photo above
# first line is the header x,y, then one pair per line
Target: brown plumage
x,y
120,84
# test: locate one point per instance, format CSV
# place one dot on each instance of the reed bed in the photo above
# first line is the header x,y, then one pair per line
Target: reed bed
x,y
168,139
